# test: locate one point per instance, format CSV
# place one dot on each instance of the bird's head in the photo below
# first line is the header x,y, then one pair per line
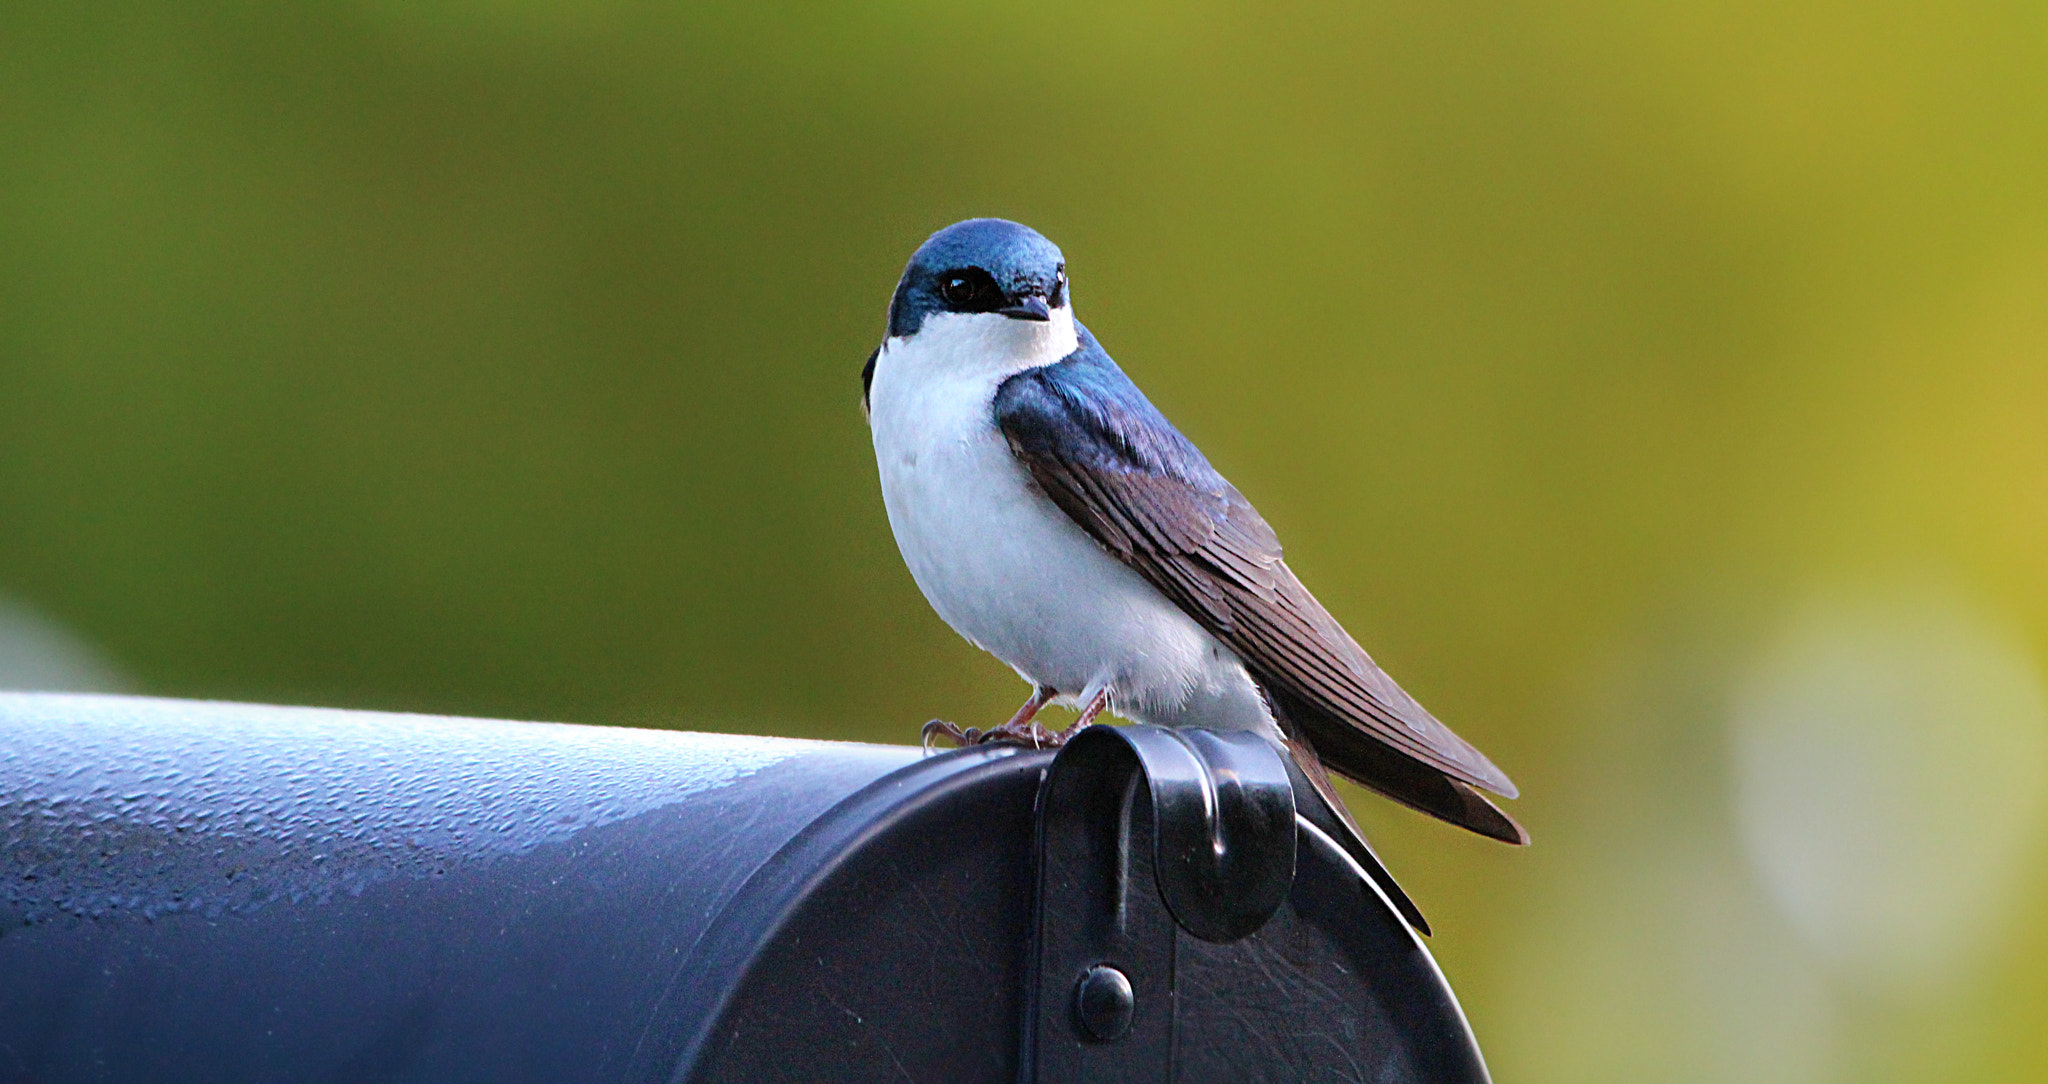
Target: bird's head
x,y
1001,278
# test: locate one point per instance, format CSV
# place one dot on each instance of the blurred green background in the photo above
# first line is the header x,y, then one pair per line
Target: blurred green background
x,y
1659,391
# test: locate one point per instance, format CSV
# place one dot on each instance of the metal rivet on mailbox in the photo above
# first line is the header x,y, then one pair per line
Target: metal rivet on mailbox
x,y
1104,1003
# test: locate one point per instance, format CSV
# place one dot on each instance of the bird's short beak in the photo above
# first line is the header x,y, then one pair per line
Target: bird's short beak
x,y
1028,307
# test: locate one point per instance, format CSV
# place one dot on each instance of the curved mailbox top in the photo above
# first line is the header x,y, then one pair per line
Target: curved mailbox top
x,y
206,892
225,891
117,806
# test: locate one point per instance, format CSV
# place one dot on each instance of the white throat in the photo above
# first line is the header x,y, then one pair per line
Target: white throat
x,y
978,348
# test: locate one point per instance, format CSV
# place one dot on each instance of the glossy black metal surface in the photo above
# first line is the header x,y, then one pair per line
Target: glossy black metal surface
x,y
1256,948
213,892
1223,823
886,943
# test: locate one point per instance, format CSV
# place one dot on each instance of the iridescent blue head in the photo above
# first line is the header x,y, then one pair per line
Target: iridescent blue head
x,y
982,265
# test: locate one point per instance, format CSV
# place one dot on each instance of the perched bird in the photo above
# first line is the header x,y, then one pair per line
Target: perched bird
x,y
1058,521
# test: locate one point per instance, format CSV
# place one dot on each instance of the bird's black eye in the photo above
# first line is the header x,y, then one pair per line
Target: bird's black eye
x,y
1058,296
970,289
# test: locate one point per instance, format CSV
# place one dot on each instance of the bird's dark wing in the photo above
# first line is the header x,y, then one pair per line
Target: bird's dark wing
x,y
1113,463
867,379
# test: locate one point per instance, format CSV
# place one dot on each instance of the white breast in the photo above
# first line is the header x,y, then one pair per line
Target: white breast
x,y
1001,563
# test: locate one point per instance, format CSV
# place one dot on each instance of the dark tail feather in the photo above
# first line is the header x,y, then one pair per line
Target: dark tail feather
x,y
1336,822
1418,786
1367,761
1478,813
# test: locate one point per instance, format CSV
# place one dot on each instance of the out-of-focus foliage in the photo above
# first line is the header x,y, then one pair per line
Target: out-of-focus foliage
x,y
1660,391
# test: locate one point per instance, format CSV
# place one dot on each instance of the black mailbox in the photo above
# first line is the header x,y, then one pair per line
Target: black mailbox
x,y
222,892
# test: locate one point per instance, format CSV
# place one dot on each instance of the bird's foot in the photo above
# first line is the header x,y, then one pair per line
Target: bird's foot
x,y
1019,730
939,729
1030,735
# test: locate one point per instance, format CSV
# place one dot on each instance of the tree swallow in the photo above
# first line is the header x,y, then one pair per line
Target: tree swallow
x,y
1058,521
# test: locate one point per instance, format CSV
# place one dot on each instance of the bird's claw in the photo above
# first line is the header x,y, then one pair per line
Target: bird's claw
x,y
1030,735
939,728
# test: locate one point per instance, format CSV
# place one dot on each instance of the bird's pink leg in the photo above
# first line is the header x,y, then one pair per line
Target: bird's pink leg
x,y
1097,704
1022,728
